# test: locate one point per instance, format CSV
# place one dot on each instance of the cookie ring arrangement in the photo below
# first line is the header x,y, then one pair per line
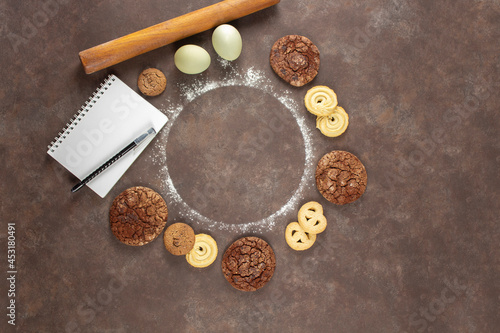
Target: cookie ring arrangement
x,y
138,215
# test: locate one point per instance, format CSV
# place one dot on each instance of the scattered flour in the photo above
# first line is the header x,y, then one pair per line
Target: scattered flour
x,y
252,78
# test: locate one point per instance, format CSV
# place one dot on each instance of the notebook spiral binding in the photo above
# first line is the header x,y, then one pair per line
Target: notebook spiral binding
x,y
81,113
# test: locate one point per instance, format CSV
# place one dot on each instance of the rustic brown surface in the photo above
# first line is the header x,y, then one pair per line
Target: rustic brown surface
x,y
419,251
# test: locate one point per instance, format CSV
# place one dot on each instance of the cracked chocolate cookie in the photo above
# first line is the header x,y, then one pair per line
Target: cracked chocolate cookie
x,y
179,239
341,177
248,264
152,82
138,215
295,59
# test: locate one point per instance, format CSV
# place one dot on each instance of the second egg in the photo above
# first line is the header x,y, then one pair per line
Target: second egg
x,y
227,42
191,59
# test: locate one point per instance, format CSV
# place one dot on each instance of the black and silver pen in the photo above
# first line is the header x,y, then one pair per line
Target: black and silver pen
x,y
115,158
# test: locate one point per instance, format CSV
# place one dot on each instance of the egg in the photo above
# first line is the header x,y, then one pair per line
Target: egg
x,y
227,42
191,59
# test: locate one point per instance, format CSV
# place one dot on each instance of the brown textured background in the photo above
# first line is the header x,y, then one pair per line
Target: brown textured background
x,y
419,252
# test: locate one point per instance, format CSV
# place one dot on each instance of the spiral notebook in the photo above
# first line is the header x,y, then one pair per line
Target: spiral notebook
x,y
111,119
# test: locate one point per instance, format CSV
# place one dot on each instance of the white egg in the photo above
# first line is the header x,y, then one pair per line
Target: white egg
x,y
191,59
227,42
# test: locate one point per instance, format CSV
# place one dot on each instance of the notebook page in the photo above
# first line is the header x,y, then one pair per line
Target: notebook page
x,y
114,119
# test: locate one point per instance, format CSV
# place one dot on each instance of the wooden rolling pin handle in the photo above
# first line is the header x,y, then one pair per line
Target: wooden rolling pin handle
x,y
142,41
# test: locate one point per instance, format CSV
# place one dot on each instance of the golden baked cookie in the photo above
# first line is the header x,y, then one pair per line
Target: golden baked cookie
x,y
152,82
333,124
311,218
179,239
204,251
320,101
297,238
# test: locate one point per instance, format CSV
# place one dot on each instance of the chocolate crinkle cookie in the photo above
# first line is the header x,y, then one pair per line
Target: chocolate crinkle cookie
x,y
138,215
341,177
295,59
249,263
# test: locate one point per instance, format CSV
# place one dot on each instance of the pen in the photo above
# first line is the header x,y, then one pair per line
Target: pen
x,y
113,159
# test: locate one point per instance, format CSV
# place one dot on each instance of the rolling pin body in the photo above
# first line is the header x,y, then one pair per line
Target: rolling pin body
x,y
142,41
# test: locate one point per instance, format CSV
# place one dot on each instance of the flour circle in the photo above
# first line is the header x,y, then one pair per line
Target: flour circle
x,y
254,79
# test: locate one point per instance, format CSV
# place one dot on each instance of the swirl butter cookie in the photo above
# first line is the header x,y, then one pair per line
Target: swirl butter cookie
x,y
204,251
138,215
333,124
341,177
248,264
320,101
295,59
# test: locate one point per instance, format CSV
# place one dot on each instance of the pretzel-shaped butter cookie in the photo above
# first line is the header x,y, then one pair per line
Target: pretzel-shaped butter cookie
x,y
334,124
204,251
302,235
320,100
311,218
297,238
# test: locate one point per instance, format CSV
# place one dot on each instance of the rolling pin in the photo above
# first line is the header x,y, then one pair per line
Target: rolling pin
x,y
142,41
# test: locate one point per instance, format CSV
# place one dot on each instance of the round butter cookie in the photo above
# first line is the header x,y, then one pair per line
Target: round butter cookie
x,y
204,251
334,124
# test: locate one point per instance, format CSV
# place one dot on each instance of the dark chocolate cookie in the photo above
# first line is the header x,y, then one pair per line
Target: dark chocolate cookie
x,y
341,177
152,82
179,239
248,264
138,215
295,59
